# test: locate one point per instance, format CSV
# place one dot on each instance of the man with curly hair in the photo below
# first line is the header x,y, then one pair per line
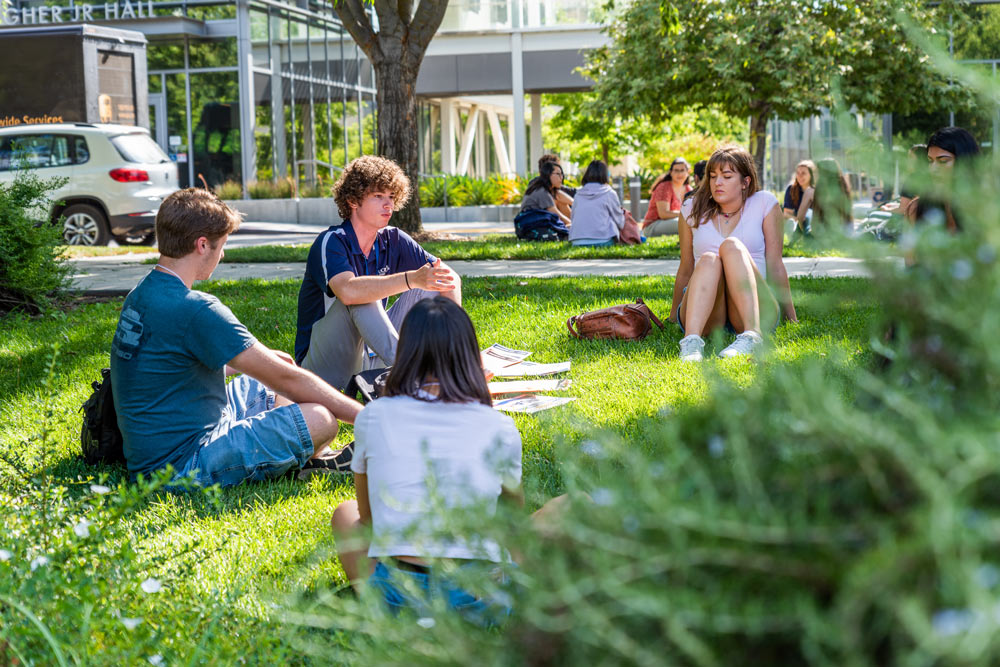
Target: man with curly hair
x,y
352,270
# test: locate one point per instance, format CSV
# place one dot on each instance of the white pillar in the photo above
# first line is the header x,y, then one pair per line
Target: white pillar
x,y
248,116
432,129
468,137
499,145
517,71
448,128
482,148
511,162
309,145
536,128
278,118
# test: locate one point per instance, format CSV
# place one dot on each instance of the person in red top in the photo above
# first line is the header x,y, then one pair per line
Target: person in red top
x,y
665,199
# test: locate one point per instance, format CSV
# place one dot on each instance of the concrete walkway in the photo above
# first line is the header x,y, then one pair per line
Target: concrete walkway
x,y
117,275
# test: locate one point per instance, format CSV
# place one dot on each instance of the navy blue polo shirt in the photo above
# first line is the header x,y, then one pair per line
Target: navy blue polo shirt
x,y
336,250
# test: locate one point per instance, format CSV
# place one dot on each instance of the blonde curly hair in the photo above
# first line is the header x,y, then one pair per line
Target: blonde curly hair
x,y
367,174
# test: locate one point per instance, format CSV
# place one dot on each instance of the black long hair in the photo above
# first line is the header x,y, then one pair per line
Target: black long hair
x,y
956,140
959,142
597,172
437,343
544,178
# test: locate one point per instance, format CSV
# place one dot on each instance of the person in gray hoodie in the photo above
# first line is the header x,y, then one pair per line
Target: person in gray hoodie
x,y
598,217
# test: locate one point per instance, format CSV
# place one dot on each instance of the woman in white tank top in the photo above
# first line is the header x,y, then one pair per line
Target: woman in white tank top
x,y
731,239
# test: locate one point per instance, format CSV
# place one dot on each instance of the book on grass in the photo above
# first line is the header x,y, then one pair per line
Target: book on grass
x,y
528,386
531,403
496,357
531,369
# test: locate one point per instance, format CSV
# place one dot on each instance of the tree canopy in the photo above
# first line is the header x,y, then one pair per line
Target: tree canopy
x,y
580,136
766,58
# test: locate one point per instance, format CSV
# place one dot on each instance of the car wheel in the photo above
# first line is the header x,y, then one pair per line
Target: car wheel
x,y
85,225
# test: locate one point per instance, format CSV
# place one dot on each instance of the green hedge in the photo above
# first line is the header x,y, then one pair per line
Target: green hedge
x,y
32,271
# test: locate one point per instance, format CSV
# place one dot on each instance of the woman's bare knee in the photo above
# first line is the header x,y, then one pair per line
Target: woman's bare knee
x,y
709,257
731,245
345,517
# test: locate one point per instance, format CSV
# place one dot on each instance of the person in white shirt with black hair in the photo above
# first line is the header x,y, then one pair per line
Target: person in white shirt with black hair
x,y
433,439
731,238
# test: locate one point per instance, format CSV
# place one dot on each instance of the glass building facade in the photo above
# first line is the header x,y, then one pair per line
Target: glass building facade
x,y
248,91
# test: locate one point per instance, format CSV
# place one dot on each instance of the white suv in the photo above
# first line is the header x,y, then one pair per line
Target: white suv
x,y
117,176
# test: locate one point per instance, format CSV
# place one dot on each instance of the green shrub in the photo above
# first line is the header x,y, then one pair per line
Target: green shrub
x,y
438,190
646,177
32,270
281,189
511,188
477,192
317,190
229,190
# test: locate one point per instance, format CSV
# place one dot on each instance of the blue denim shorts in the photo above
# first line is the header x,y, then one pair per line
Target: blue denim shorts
x,y
397,595
254,441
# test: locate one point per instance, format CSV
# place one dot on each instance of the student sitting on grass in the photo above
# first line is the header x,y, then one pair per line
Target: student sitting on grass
x,y
796,206
172,350
665,198
543,190
947,148
436,419
731,241
564,194
698,175
352,270
598,217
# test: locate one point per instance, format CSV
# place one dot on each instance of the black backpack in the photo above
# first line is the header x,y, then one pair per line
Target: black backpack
x,y
100,437
539,225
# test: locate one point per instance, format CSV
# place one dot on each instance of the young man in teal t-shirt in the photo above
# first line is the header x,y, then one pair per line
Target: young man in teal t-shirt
x,y
174,347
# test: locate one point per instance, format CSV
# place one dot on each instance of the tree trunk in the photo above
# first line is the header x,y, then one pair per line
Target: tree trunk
x,y
395,52
397,127
758,136
605,153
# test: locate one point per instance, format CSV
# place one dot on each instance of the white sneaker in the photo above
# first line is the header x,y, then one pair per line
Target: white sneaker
x,y
691,347
745,343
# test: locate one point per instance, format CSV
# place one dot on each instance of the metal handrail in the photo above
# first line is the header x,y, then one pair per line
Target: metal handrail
x,y
320,163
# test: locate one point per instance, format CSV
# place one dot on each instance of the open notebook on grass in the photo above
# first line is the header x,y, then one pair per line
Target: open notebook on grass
x,y
505,362
528,386
530,403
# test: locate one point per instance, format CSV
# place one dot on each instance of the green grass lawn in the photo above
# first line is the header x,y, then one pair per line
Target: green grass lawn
x,y
75,251
262,541
490,247
498,246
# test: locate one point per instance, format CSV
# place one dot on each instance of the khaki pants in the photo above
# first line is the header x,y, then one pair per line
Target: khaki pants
x,y
339,344
660,228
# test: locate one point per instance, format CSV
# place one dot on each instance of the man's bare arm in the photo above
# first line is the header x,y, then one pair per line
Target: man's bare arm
x,y
352,290
296,384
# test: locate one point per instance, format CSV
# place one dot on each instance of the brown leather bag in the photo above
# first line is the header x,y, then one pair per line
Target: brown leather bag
x,y
627,322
